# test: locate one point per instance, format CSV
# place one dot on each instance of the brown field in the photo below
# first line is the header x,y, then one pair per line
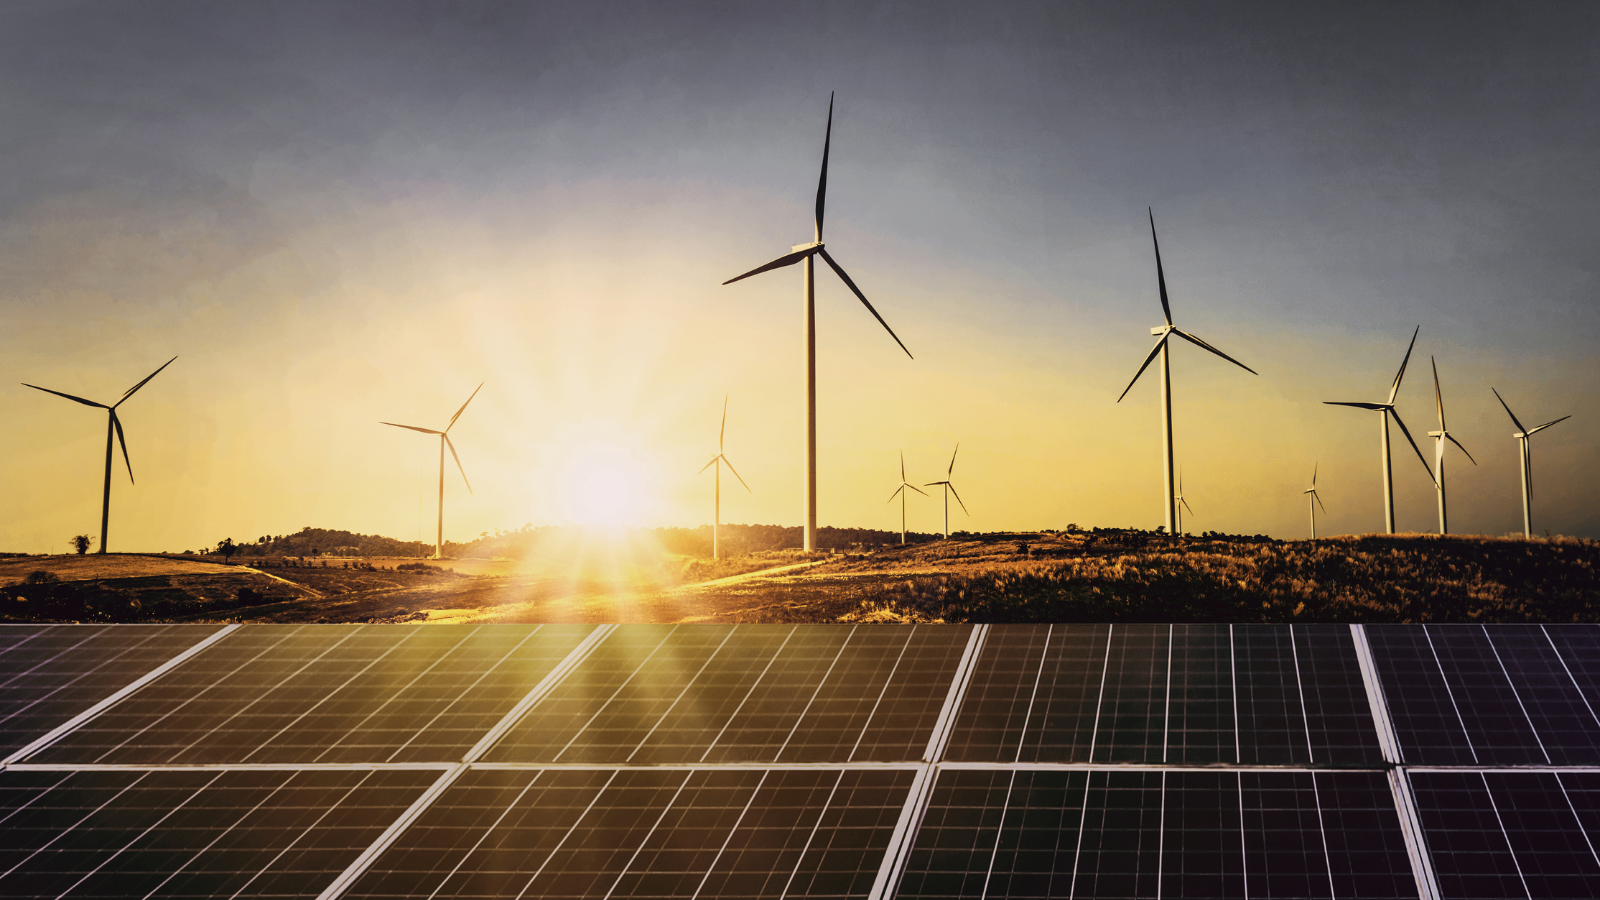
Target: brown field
x,y
1108,575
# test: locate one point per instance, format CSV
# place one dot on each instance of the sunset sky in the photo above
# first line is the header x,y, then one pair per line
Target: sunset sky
x,y
341,214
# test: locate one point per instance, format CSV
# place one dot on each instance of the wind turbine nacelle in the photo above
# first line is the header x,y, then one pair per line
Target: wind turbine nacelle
x,y
806,246
1437,433
1160,330
1519,435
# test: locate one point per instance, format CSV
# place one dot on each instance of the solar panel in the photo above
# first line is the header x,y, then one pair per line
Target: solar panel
x,y
324,694
50,673
784,760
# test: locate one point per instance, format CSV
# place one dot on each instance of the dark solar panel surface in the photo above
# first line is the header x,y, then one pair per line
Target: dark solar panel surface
x,y
1507,695
50,673
647,832
325,694
188,833
761,693
1113,833
1176,694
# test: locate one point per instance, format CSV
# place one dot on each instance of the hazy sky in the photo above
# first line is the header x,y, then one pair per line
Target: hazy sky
x,y
338,213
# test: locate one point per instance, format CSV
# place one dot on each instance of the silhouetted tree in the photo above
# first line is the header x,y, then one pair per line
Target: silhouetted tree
x,y
226,548
80,543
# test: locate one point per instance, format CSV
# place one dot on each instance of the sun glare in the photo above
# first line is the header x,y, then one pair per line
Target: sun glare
x,y
605,485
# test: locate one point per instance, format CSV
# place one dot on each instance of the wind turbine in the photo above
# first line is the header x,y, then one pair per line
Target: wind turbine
x,y
948,490
1439,437
444,441
1182,504
1313,501
114,424
1160,349
1385,411
901,493
806,253
718,460
1522,436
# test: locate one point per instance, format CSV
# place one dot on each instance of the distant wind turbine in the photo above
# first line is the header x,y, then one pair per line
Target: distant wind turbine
x,y
114,424
949,489
806,252
718,461
1439,437
1522,436
1160,349
1313,501
901,493
444,441
1182,504
1385,412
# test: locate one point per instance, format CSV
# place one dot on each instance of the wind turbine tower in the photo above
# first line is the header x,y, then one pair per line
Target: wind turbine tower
x,y
1163,332
949,489
1522,436
719,460
807,253
113,424
1182,504
444,441
1385,413
901,493
1439,437
1313,501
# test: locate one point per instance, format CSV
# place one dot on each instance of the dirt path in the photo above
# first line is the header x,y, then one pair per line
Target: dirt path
x,y
748,576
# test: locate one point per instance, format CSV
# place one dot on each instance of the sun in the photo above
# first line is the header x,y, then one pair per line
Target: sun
x,y
605,485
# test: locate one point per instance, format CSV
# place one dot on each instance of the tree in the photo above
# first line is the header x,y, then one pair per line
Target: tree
x,y
226,548
80,543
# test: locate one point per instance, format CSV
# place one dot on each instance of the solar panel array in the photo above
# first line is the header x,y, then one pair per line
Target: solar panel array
x,y
800,761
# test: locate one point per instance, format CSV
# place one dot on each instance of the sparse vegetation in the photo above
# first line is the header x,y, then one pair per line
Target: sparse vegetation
x,y
81,543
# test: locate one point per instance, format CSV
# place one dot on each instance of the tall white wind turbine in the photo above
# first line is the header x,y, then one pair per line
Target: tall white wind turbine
x,y
444,441
901,493
1314,501
1439,437
1385,412
806,253
1182,504
1522,436
1160,349
112,425
949,489
719,460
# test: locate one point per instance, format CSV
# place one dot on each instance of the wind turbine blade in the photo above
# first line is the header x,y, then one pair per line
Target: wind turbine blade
x,y
958,497
1315,496
736,474
896,493
1186,505
1509,412
724,431
1357,405
1463,449
917,489
862,297
1548,424
822,182
902,467
1205,346
935,483
146,381
463,472
1145,365
117,423
1420,458
1438,398
463,407
413,428
1161,276
68,396
788,259
1402,373
709,464
1314,467
951,471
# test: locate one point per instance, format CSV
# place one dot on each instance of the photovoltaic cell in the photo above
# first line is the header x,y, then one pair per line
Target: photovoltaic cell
x,y
1110,833
647,832
50,673
189,833
325,694
1338,712
1425,709
690,694
1563,719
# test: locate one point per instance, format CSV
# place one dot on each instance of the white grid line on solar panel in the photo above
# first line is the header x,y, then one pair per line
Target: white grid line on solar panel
x,y
229,767
1508,695
45,741
55,672
372,702
744,693
1376,701
1417,852
1186,693
539,691
175,832
916,804
1199,833
644,832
